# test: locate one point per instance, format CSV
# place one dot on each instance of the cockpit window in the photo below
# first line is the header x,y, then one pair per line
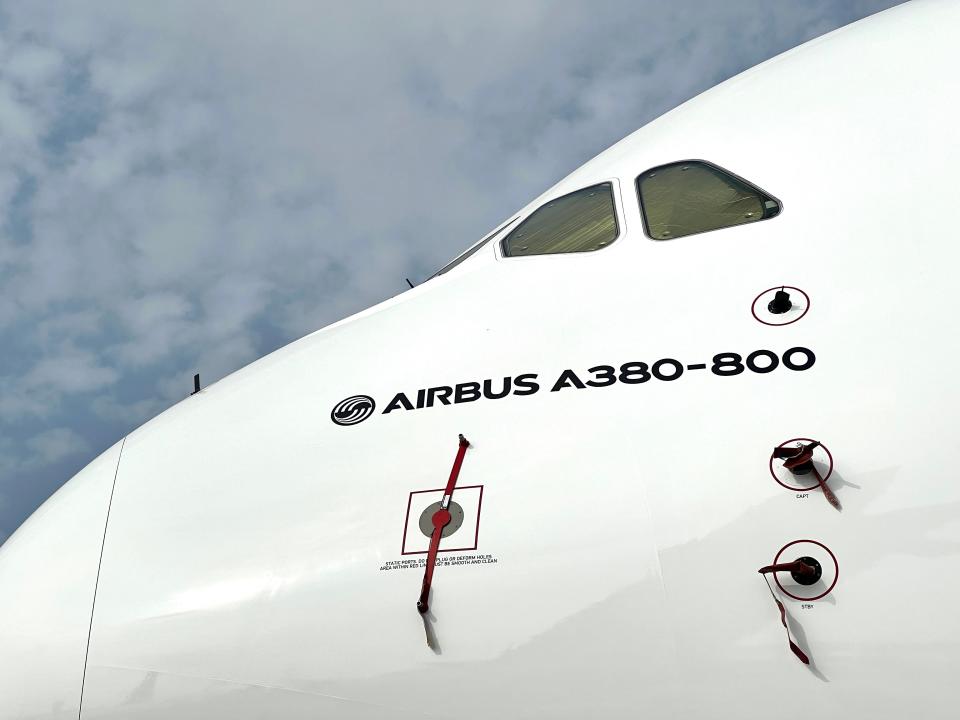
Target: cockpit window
x,y
582,221
460,258
693,196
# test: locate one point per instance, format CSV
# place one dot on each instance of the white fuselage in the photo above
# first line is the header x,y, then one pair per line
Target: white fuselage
x,y
262,561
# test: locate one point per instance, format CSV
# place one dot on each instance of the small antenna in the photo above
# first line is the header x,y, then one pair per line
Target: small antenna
x,y
409,283
196,384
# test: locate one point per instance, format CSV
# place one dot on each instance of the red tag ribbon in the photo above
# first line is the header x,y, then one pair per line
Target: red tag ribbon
x,y
440,520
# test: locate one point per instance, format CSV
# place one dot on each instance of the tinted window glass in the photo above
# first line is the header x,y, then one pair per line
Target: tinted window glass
x,y
693,196
582,221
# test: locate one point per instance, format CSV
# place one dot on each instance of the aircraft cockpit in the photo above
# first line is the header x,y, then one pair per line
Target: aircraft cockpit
x,y
681,198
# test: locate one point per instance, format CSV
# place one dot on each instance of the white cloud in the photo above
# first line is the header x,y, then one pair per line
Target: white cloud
x,y
41,450
69,370
53,445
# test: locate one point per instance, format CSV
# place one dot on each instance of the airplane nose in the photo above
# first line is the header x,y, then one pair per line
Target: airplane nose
x,y
48,576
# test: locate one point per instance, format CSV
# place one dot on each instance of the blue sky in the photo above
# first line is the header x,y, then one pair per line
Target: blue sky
x,y
187,186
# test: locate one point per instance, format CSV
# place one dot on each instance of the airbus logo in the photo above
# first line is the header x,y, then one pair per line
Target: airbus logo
x,y
353,410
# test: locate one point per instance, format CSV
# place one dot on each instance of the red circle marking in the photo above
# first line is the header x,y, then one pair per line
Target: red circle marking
x,y
440,518
753,305
815,483
836,567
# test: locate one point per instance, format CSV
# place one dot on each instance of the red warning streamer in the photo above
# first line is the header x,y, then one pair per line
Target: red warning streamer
x,y
440,520
783,618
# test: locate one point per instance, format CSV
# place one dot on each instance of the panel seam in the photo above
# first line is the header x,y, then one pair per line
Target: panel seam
x,y
96,583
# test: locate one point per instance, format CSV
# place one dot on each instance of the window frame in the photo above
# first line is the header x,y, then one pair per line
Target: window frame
x,y
475,248
643,211
619,221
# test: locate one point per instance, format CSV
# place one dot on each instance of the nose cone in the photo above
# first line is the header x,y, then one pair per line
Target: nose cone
x,y
48,573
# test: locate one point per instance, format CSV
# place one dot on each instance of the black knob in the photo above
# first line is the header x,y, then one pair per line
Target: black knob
x,y
808,578
780,303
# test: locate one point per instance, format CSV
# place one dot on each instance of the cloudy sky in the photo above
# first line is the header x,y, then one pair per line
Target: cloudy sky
x,y
188,185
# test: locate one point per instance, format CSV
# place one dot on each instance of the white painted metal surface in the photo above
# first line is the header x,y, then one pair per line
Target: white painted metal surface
x,y
254,562
48,570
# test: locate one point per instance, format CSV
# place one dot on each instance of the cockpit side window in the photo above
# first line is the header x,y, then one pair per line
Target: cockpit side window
x,y
463,256
582,221
693,196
